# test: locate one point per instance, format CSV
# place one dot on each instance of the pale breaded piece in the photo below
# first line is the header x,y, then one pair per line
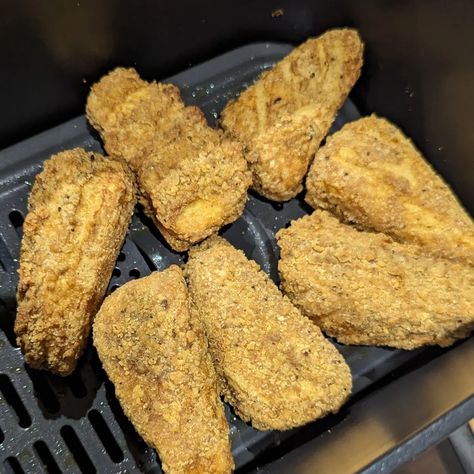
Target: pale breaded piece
x,y
274,365
156,355
79,210
365,288
285,115
192,180
371,175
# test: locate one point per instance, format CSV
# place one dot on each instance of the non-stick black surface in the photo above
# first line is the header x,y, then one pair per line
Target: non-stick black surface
x,y
75,424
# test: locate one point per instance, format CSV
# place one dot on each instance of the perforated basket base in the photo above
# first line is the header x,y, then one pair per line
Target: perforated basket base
x,y
75,424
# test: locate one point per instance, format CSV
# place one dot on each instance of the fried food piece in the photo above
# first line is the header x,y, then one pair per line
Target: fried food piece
x,y
284,116
79,211
274,365
371,175
365,288
156,355
192,180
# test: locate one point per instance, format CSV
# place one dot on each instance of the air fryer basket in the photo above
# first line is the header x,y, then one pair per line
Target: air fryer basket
x,y
75,424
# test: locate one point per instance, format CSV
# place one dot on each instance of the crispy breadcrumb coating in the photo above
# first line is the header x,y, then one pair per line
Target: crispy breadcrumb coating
x,y
79,210
371,175
274,365
192,179
284,116
365,288
156,355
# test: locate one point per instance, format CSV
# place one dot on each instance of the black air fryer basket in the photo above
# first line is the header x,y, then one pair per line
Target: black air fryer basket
x,y
419,71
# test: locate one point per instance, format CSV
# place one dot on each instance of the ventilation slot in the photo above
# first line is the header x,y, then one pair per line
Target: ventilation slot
x,y
2,436
106,436
6,323
13,466
114,287
12,398
121,257
43,391
77,450
4,255
16,220
49,464
134,273
116,273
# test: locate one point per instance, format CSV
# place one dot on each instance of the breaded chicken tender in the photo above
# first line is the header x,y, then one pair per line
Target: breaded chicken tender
x,y
285,115
192,179
364,288
79,210
371,175
274,365
156,355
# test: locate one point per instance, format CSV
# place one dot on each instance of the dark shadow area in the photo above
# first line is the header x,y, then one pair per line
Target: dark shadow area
x,y
302,204
47,400
96,137
75,393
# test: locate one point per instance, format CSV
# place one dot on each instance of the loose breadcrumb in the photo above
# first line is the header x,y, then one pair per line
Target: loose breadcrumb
x,y
192,179
371,175
285,115
274,365
156,355
365,288
79,210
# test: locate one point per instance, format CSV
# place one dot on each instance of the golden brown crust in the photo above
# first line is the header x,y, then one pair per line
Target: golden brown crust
x,y
193,181
274,365
79,211
156,355
365,288
284,116
371,175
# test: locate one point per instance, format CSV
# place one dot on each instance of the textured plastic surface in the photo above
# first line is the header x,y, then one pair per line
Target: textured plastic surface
x,y
75,424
